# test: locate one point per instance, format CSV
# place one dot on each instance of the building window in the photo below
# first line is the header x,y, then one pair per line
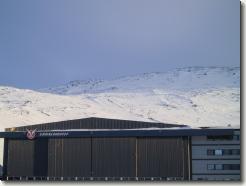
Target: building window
x,y
236,137
223,152
235,151
210,152
235,167
231,167
210,166
213,138
223,167
226,167
227,152
218,152
231,152
219,167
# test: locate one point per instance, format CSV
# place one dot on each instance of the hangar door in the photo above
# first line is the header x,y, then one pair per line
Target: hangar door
x,y
20,161
69,157
113,157
162,157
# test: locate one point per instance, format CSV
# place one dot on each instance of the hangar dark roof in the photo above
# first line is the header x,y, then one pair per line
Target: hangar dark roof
x,y
94,123
102,127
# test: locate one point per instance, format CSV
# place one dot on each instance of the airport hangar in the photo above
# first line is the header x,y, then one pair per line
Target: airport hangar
x,y
111,149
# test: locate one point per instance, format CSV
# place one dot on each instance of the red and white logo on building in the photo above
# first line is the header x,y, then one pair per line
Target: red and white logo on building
x,y
31,134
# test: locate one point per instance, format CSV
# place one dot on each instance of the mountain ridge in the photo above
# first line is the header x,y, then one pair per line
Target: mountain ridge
x,y
169,78
195,96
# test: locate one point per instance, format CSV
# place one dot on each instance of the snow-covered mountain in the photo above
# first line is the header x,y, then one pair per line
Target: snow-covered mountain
x,y
185,79
195,96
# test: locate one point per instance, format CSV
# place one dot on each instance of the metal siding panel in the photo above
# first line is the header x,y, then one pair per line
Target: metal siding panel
x,y
83,123
123,124
20,158
119,125
129,124
54,157
86,124
113,157
69,124
64,125
41,157
93,123
69,157
5,158
76,124
186,158
161,157
78,157
110,124
98,124
103,125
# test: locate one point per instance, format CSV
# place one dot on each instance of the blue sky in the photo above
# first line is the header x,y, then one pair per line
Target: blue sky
x,y
50,42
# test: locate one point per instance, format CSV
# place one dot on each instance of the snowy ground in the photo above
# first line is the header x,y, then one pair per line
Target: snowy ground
x,y
193,96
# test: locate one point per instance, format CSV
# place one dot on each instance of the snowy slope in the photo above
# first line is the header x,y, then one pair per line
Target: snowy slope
x,y
193,96
185,79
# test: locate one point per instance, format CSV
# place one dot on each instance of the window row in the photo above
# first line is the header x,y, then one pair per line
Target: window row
x,y
226,137
223,152
223,166
236,137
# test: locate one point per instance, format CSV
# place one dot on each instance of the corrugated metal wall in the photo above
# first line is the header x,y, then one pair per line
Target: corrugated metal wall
x,y
99,157
20,158
41,157
162,157
69,157
113,157
94,123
